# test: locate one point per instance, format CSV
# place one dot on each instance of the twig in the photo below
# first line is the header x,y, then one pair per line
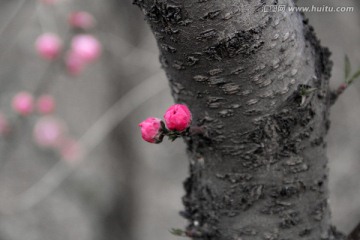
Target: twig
x,y
349,79
46,23
92,137
12,16
334,95
130,54
5,41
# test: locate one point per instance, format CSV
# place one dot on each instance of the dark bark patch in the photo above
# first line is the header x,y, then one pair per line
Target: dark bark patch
x,y
200,208
215,102
168,48
319,209
165,13
289,219
200,78
226,113
305,232
275,207
243,42
191,60
207,35
235,177
178,65
211,15
288,190
217,81
216,71
230,88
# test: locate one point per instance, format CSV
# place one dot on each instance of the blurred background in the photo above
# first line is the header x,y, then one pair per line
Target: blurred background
x,y
114,185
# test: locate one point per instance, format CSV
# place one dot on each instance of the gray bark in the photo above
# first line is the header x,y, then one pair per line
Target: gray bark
x,y
260,172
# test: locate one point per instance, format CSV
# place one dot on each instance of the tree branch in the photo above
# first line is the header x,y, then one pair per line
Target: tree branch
x,y
262,172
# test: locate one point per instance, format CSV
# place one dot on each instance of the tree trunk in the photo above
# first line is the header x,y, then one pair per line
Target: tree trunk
x,y
258,83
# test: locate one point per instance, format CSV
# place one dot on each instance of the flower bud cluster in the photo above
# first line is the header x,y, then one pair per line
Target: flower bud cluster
x,y
177,119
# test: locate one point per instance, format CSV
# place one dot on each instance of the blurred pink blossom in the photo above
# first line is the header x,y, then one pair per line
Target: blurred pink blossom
x,y
23,103
71,150
74,63
81,19
48,46
86,47
49,132
45,104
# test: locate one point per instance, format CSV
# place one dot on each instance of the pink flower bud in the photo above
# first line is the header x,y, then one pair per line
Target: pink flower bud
x,y
151,130
342,88
4,125
45,104
74,64
178,117
86,47
48,46
71,150
48,132
23,103
83,20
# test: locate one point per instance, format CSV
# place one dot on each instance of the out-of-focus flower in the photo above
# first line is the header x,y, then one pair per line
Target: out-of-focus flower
x,y
151,130
83,20
178,117
49,132
74,63
45,104
86,47
23,103
71,150
48,46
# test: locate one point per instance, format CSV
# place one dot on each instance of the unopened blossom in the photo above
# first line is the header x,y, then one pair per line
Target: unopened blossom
x,y
71,150
74,63
151,130
178,117
45,104
81,19
342,88
48,46
23,103
49,132
86,47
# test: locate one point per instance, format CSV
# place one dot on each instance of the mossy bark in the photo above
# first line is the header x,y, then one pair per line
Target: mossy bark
x,y
258,83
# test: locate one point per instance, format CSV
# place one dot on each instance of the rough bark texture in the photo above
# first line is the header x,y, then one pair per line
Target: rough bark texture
x,y
261,170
